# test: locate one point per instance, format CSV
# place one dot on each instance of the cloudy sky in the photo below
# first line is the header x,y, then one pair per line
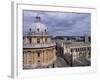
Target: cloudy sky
x,y
60,23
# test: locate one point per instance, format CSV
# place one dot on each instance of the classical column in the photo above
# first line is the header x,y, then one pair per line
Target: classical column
x,y
42,54
47,56
33,57
53,52
24,57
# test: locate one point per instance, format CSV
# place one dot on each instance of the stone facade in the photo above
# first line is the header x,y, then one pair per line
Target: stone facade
x,y
38,48
79,51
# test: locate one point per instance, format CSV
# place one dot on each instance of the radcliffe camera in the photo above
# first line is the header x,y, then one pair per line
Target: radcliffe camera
x,y
56,39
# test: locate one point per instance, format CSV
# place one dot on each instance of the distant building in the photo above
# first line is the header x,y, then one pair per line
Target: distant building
x,y
38,48
80,52
75,52
87,39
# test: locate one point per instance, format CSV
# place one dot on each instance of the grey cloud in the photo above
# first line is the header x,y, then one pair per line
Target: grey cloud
x,y
60,23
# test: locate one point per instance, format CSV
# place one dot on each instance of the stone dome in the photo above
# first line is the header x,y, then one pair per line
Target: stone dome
x,y
38,27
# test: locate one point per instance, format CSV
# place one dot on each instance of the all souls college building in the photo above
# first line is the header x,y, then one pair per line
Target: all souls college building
x,y
74,53
38,49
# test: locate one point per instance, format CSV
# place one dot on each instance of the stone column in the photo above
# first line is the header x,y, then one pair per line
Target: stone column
x,y
54,52
33,57
24,57
42,53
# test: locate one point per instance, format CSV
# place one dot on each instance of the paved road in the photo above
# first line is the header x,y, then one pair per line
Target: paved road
x,y
60,63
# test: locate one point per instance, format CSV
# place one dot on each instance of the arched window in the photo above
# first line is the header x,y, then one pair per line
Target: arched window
x,y
38,40
30,40
45,39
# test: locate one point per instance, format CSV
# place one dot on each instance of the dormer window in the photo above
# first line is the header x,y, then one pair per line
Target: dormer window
x,y
38,19
45,30
38,29
30,31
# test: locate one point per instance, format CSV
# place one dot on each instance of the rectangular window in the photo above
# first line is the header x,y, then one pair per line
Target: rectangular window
x,y
38,54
